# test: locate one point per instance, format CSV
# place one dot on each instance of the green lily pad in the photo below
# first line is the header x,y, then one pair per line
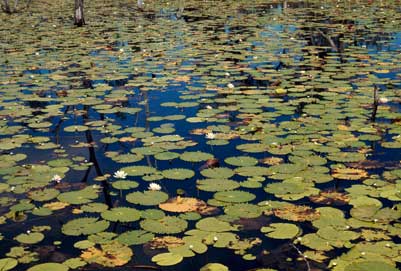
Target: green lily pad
x,y
83,196
167,259
370,266
241,161
44,195
121,214
217,173
196,156
212,224
178,173
49,266
214,267
124,185
138,170
147,198
214,185
30,238
136,237
281,230
8,264
234,196
243,210
166,225
84,226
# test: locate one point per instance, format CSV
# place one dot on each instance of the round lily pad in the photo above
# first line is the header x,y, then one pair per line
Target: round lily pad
x,y
124,185
243,210
167,259
136,237
241,161
214,185
147,198
84,226
138,170
196,156
30,238
167,224
234,196
8,264
121,214
217,173
178,173
214,267
281,230
49,266
370,265
44,195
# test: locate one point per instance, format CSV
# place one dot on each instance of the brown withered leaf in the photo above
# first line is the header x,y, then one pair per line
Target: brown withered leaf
x,y
365,164
110,254
181,204
297,213
349,173
271,161
330,197
165,242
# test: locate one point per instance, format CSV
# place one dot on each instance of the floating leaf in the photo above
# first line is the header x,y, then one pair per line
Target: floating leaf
x,y
167,224
196,156
234,196
147,198
121,214
49,266
84,226
281,230
136,237
178,173
214,185
8,264
217,173
182,205
110,254
214,267
370,266
30,238
167,259
241,161
212,224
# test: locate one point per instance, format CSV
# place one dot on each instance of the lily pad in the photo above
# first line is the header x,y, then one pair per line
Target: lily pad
x,y
121,214
178,173
84,226
167,259
147,198
166,225
49,266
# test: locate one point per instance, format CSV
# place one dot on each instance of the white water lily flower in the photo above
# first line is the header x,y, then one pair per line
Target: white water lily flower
x,y
210,135
154,187
383,100
120,174
230,85
215,238
209,107
56,178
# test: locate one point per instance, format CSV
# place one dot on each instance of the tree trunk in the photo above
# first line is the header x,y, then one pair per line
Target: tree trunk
x,y
79,19
6,7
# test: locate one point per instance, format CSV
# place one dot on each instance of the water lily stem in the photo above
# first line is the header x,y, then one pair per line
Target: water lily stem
x,y
303,257
375,103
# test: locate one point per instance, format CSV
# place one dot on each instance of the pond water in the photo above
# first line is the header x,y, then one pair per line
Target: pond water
x,y
201,135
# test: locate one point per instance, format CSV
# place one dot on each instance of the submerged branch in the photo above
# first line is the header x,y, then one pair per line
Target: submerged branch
x,y
329,39
375,104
